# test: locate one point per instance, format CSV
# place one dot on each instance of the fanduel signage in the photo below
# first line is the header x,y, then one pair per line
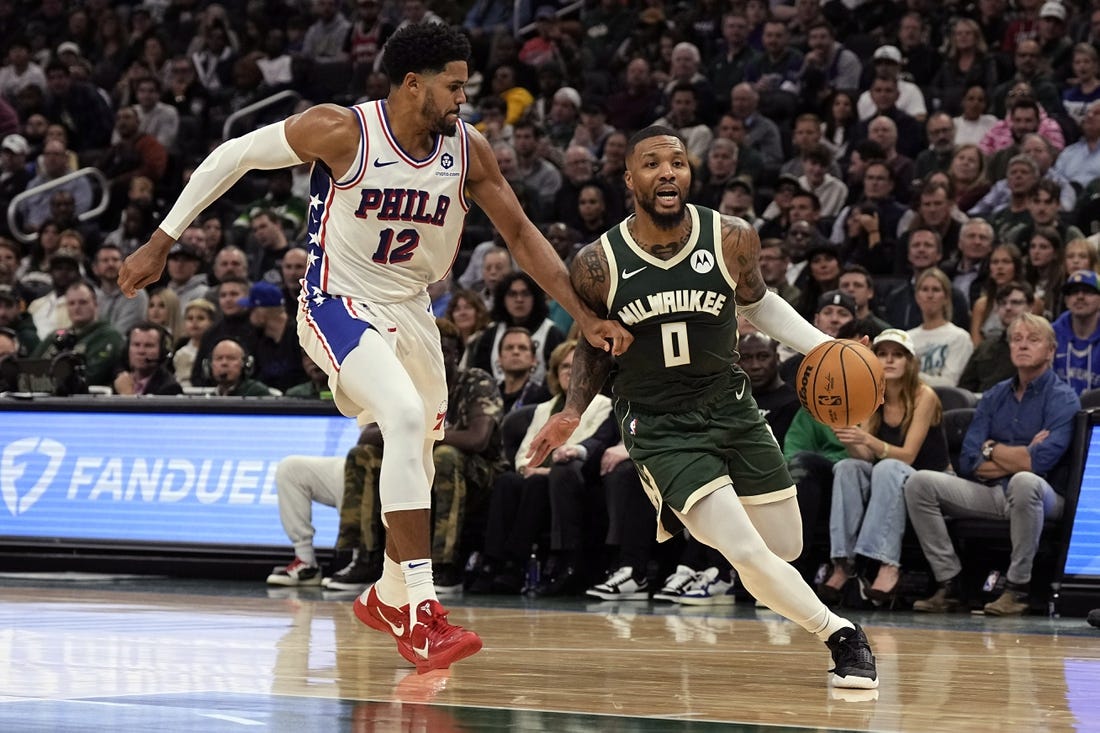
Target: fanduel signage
x,y
195,479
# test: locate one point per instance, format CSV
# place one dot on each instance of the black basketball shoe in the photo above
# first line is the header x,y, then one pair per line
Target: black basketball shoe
x,y
854,664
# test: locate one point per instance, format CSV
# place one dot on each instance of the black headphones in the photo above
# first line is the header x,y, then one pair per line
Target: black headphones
x,y
246,367
165,352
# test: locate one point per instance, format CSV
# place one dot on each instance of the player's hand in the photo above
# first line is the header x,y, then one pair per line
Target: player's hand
x,y
144,266
554,433
607,335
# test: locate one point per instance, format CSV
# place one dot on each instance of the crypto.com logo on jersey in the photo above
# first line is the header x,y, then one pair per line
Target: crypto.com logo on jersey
x,y
186,478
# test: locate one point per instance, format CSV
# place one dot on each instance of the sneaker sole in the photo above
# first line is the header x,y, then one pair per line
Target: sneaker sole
x,y
708,601
337,585
367,618
468,645
288,582
853,682
671,598
637,596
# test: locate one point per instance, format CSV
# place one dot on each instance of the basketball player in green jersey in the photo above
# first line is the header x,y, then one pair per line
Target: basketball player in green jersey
x,y
676,275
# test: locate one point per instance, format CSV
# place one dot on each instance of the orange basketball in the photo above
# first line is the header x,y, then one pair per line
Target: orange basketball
x,y
840,382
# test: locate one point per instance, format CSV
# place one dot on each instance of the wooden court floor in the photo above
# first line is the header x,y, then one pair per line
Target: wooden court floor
x,y
87,653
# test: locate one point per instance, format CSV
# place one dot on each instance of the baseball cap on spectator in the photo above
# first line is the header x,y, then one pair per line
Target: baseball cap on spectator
x,y
17,144
68,47
1053,10
887,53
899,337
741,182
545,12
570,95
1082,280
836,297
67,254
182,249
786,179
8,295
263,295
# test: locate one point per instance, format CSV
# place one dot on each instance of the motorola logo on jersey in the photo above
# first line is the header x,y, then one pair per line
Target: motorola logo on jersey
x,y
702,262
403,204
12,470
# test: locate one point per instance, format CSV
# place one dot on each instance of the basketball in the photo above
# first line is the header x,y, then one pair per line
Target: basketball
x,y
840,383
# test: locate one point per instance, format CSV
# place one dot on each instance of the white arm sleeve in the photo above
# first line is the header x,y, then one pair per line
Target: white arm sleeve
x,y
775,317
263,149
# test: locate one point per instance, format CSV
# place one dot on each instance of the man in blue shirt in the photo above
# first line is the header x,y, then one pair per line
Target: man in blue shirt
x,y
1021,429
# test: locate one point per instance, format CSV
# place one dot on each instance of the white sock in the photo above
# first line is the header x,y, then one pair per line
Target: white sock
x,y
391,586
305,553
419,583
829,625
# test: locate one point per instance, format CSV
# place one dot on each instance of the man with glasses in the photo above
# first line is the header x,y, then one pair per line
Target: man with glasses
x,y
991,361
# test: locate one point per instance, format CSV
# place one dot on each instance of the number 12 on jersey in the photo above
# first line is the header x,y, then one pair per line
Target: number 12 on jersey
x,y
407,240
674,343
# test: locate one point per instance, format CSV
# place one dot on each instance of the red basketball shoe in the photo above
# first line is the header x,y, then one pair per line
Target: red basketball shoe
x,y
387,619
436,643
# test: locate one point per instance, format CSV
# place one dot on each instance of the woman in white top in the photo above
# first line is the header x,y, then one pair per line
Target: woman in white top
x,y
198,316
942,347
972,125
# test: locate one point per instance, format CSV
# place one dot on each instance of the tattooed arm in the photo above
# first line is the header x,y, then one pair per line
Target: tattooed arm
x,y
590,277
761,306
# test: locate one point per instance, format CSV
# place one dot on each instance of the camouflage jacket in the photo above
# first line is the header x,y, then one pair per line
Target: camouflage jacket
x,y
475,393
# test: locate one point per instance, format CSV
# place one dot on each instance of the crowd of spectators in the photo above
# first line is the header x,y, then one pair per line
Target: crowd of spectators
x,y
926,166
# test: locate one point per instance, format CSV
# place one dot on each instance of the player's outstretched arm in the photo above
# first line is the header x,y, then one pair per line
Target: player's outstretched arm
x,y
532,251
590,278
325,132
763,307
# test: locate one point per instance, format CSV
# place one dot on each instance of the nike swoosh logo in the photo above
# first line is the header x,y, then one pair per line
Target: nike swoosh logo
x,y
413,566
741,392
398,629
632,273
422,652
379,164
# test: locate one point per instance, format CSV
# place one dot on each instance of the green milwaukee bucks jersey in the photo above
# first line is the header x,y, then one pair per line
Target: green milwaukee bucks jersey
x,y
681,313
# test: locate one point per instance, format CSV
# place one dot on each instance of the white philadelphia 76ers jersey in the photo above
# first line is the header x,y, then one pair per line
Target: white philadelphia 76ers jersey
x,y
393,224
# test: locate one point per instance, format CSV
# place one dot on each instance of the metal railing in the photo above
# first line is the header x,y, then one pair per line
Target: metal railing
x,y
13,207
520,5
276,98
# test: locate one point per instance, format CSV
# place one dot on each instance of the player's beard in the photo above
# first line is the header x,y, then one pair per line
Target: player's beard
x,y
438,118
662,221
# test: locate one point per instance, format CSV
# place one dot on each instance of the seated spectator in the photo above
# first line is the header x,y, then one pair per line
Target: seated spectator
x,y
1086,70
94,340
824,277
300,481
230,368
683,116
146,362
185,276
198,317
1030,70
968,267
274,341
14,318
736,199
518,301
114,307
967,173
21,71
908,97
857,283
974,123
761,134
467,311
164,310
942,348
902,307
522,504
1077,333
831,192
833,310
233,324
1042,208
517,358
871,228
991,363
53,163
282,207
1025,115
467,460
774,74
1079,162
940,130
774,262
316,385
50,312
156,118
907,131
229,262
88,116
841,126
1006,265
828,65
1043,271
775,220
718,170
904,435
1021,429
14,173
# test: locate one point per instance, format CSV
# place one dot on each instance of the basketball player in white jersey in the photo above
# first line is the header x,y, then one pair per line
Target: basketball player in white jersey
x,y
390,186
